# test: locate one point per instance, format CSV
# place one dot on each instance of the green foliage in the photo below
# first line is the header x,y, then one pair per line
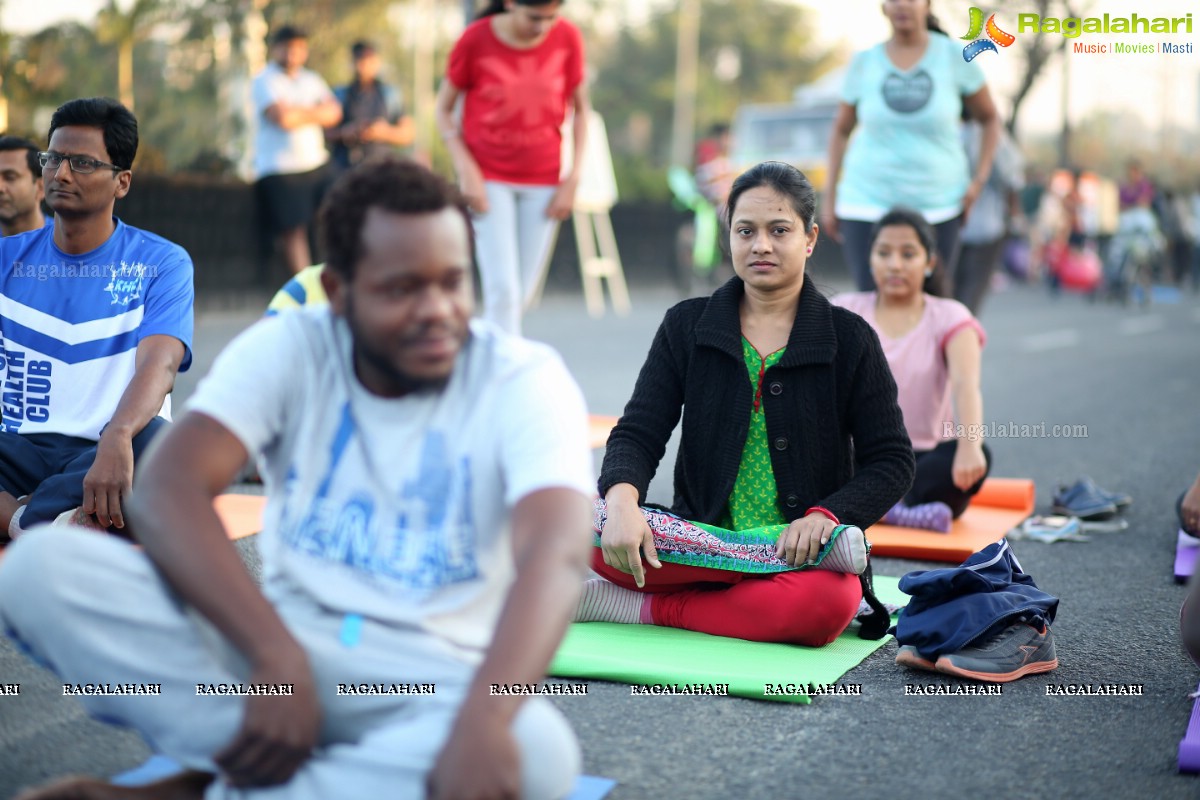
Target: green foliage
x,y
189,54
332,26
47,68
636,71
114,25
638,179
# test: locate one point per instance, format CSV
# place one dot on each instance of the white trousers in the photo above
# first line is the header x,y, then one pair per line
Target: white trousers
x,y
512,243
93,609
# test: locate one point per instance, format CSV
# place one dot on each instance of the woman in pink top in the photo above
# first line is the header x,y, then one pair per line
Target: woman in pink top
x,y
517,68
933,346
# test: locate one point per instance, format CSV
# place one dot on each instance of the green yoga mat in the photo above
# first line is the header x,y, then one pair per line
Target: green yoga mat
x,y
649,654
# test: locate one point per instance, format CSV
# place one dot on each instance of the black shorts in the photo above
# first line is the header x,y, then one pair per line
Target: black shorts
x,y
287,201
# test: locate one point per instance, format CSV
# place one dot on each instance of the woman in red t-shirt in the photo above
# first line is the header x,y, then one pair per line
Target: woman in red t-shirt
x,y
517,67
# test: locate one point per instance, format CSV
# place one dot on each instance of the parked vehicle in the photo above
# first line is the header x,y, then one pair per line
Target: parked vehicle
x,y
798,135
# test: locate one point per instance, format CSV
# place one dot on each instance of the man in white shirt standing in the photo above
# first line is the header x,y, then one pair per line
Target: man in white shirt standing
x,y
294,105
428,481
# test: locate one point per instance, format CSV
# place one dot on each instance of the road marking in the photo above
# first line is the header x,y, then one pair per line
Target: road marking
x,y
1050,340
1136,326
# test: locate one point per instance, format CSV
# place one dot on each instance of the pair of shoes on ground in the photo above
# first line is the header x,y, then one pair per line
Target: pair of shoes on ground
x,y
1086,500
1050,529
1018,650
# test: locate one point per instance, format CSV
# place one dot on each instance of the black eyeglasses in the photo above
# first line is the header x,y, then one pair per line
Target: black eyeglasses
x,y
81,164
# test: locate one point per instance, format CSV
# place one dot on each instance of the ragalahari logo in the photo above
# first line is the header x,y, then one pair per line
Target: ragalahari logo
x,y
995,36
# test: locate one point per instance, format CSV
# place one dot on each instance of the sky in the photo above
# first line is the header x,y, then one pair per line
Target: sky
x,y
1162,89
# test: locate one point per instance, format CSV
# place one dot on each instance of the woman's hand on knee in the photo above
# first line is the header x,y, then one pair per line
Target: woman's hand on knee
x,y
625,536
969,464
800,543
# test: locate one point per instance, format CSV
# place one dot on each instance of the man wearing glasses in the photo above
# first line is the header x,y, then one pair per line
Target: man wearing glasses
x,y
95,321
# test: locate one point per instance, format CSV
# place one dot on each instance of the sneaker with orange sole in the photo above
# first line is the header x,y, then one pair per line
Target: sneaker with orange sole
x,y
1018,650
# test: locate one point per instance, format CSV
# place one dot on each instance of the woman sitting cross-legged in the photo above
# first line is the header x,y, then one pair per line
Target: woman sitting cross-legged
x,y
790,426
933,345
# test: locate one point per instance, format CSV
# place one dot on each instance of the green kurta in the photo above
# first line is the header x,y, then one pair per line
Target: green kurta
x,y
754,502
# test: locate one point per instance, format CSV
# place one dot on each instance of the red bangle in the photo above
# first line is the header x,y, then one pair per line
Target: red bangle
x,y
826,512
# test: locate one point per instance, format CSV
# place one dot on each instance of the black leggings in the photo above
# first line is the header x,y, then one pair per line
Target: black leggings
x,y
934,481
856,249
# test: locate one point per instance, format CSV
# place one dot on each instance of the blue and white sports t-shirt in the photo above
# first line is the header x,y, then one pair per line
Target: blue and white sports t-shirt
x,y
906,148
70,325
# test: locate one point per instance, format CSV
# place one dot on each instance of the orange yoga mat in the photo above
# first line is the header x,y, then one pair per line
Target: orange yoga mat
x,y
241,514
599,427
1000,505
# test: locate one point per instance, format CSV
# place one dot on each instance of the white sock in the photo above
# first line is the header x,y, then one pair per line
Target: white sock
x,y
848,554
14,525
604,601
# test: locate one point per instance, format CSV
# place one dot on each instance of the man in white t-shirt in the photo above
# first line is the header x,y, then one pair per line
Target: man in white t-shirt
x,y
426,532
293,106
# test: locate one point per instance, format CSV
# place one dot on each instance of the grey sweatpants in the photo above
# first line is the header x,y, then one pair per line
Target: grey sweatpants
x,y
94,610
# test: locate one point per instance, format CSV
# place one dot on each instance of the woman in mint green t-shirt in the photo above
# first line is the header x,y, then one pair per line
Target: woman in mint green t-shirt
x,y
903,100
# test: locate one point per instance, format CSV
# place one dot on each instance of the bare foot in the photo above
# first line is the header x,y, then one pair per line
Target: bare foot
x,y
79,519
188,785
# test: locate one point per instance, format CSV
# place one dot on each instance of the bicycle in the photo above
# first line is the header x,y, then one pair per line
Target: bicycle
x,y
697,250
1133,256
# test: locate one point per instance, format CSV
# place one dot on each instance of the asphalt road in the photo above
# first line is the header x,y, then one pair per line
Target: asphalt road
x,y
1132,377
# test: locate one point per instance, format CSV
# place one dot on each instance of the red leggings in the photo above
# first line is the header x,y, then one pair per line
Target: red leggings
x,y
808,607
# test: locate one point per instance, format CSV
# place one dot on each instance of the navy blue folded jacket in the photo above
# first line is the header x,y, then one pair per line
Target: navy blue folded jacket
x,y
953,607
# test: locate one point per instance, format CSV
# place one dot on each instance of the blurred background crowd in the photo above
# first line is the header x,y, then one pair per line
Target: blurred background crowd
x,y
1102,201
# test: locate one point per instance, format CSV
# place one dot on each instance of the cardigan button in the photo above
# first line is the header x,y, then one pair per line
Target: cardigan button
x,y
776,388
792,501
781,443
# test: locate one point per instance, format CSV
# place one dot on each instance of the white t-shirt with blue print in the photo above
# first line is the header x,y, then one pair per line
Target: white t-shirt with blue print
x,y
906,148
70,325
397,509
